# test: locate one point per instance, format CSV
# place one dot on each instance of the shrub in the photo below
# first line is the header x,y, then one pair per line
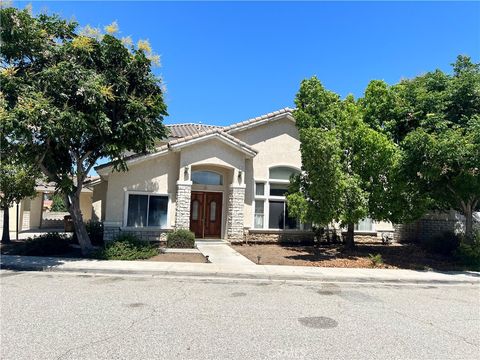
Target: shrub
x,y
94,231
127,247
181,238
444,244
45,245
469,254
376,259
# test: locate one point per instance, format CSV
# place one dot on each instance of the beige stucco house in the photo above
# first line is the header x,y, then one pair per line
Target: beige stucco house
x,y
220,182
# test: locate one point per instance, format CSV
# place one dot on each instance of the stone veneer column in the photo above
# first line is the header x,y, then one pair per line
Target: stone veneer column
x,y
236,201
184,197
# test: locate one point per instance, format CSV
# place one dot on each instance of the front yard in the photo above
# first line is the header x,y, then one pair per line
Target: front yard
x,y
365,255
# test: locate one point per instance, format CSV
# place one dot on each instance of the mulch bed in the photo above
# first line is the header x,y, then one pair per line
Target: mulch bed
x,y
394,256
74,252
179,257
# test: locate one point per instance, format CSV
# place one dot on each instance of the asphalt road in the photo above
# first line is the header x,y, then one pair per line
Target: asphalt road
x,y
68,316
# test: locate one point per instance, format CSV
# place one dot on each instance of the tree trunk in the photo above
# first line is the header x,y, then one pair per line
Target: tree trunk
x,y
6,226
469,222
349,240
73,202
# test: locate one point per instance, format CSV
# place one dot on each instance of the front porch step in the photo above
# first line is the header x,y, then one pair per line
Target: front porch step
x,y
211,241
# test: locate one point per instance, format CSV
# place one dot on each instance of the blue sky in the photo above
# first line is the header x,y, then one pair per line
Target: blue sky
x,y
224,62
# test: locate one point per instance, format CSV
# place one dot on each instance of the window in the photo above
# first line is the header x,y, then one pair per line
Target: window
x,y
259,189
207,178
271,209
364,225
259,214
281,173
147,210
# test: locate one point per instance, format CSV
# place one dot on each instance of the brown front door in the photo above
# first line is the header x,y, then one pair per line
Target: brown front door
x,y
206,214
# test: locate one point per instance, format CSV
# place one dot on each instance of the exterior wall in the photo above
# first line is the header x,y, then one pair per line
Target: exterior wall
x,y
86,205
36,211
99,201
213,152
235,216
428,227
277,144
279,237
158,175
182,209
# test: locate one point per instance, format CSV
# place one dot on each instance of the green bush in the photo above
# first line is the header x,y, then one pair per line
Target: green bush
x,y
181,238
376,259
58,204
444,244
468,254
127,247
94,231
46,245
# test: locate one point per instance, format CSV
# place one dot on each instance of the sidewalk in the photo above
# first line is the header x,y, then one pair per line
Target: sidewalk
x,y
220,252
239,271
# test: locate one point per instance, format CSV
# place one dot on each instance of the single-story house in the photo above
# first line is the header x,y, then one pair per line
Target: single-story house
x,y
220,182
34,213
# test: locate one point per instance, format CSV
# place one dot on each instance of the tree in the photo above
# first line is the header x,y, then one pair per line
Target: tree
x,y
58,203
346,165
77,96
17,181
435,119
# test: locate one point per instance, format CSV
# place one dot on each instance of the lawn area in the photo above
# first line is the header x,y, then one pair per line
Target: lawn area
x,y
394,256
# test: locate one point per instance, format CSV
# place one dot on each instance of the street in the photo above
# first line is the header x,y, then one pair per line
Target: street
x,y
75,316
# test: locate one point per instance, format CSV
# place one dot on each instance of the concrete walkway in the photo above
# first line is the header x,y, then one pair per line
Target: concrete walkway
x,y
240,271
219,252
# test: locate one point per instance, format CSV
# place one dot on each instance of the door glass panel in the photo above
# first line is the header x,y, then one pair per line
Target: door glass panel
x,y
213,211
195,206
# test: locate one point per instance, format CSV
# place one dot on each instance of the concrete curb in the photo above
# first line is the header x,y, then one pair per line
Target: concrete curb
x,y
252,272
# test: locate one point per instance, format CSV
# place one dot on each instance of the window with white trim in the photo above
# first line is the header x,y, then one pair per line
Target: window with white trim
x,y
271,208
205,177
146,210
364,225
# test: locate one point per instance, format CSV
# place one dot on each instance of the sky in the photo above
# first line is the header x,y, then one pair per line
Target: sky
x,y
224,62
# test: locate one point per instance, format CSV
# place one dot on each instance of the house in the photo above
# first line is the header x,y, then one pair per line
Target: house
x,y
34,213
220,182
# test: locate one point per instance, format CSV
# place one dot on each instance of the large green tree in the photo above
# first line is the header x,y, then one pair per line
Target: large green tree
x,y
346,165
435,119
74,97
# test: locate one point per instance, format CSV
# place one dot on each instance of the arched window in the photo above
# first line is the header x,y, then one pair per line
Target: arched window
x,y
207,178
281,173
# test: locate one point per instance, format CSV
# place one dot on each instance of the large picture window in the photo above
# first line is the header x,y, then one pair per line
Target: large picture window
x,y
147,210
271,208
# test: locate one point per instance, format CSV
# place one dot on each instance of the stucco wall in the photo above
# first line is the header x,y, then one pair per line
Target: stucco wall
x,y
213,152
36,211
86,205
99,200
158,175
277,144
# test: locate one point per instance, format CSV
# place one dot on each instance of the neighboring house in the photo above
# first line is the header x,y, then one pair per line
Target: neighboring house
x,y
33,213
220,182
